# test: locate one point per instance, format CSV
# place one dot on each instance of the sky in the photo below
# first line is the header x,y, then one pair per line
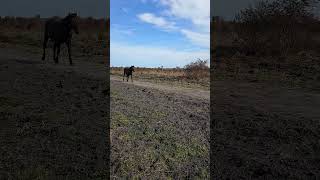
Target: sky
x,y
47,8
228,8
155,33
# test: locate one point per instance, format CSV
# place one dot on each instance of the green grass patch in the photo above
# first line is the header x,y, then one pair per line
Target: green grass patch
x,y
154,145
119,120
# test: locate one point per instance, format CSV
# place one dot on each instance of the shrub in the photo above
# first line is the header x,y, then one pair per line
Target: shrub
x,y
197,70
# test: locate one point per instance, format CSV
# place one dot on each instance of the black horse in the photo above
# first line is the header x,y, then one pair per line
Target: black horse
x,y
128,72
60,31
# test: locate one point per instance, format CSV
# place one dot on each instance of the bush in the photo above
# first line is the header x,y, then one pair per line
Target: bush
x,y
197,70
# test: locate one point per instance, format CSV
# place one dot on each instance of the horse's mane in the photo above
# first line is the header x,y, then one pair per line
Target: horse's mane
x,y
69,17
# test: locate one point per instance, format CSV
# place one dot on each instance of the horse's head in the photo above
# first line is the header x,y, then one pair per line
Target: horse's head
x,y
73,22
132,68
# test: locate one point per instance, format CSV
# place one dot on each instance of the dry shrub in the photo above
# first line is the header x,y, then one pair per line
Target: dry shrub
x,y
197,70
276,27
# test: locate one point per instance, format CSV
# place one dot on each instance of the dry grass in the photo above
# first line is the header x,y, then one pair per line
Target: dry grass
x,y
177,76
148,141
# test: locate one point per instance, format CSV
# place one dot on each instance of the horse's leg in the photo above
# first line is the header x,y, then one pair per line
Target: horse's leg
x,y
44,47
69,51
131,78
127,78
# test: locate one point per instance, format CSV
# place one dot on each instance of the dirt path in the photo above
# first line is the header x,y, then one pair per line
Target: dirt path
x,y
191,92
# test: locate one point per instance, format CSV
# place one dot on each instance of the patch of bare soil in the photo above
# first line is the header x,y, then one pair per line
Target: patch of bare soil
x,y
53,118
191,92
158,132
263,131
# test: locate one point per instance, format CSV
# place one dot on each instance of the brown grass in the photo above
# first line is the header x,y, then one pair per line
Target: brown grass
x,y
169,75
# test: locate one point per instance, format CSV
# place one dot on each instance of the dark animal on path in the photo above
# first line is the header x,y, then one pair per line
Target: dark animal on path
x,y
128,72
60,31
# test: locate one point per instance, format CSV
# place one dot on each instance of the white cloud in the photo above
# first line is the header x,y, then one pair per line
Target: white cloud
x,y
157,21
119,29
126,55
201,39
198,11
126,32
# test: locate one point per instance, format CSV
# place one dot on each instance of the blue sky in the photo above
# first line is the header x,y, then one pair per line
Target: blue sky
x,y
154,33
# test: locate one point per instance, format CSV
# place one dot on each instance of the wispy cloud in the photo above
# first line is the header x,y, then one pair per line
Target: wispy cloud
x,y
124,30
197,12
148,56
157,21
201,39
125,10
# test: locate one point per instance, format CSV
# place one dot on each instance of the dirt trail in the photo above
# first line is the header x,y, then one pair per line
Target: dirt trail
x,y
192,92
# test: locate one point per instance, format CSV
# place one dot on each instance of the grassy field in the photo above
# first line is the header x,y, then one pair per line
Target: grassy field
x,y
158,134
172,76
